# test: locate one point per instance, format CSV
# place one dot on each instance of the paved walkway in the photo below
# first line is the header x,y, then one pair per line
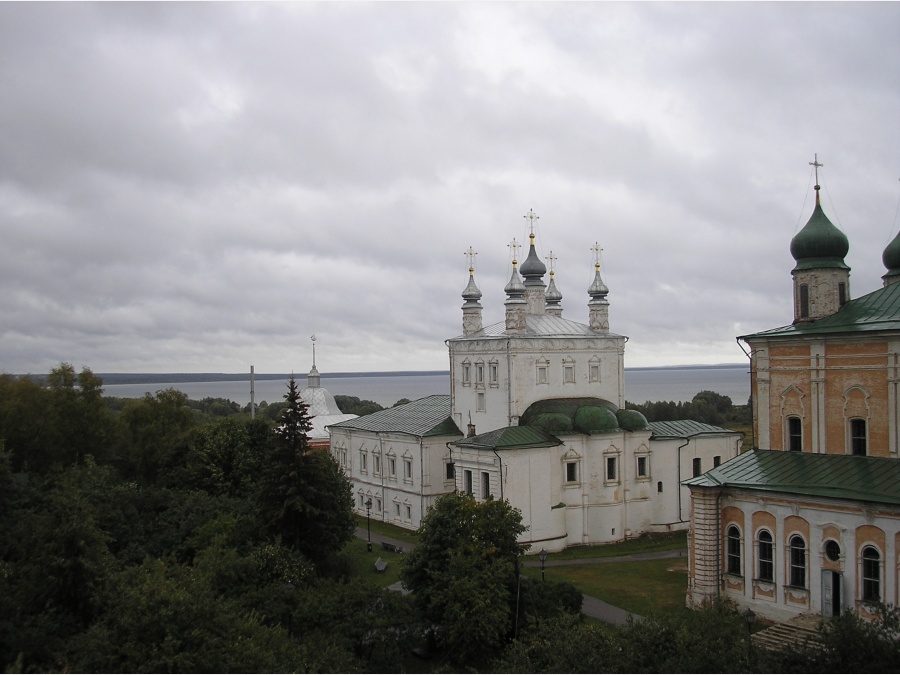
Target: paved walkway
x,y
591,606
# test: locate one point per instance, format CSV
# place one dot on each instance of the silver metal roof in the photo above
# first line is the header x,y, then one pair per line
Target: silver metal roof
x,y
539,325
685,429
423,417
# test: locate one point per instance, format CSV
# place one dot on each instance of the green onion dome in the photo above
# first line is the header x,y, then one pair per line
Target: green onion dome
x,y
819,244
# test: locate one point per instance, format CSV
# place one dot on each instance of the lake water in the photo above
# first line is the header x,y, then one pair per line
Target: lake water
x,y
641,385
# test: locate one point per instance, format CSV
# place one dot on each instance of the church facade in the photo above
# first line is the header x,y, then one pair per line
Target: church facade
x,y
809,521
536,416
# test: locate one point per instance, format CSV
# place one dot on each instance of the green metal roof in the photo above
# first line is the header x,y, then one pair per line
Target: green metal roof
x,y
877,311
510,437
685,429
866,479
429,416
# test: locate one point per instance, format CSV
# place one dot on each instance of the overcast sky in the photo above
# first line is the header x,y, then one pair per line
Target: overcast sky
x,y
202,187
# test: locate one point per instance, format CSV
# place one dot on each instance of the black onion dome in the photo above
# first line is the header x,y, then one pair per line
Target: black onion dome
x,y
533,267
891,256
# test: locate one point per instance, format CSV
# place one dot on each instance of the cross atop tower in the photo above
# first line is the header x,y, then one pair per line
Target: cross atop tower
x,y
816,164
597,251
552,260
470,254
313,338
514,246
531,216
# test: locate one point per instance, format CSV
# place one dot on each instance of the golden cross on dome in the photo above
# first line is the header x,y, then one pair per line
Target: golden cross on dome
x,y
470,254
514,246
597,251
531,216
552,260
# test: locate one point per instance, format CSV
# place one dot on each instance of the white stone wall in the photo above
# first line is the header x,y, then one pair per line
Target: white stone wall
x,y
397,498
592,509
519,382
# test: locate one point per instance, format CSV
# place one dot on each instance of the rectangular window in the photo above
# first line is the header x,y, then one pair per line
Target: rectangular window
x,y
795,434
717,460
479,402
858,436
569,374
485,485
378,505
479,373
397,510
804,301
495,379
408,512
542,374
642,467
467,479
392,466
842,294
407,469
449,471
465,374
611,468
571,472
697,467
376,464
659,486
363,461
595,372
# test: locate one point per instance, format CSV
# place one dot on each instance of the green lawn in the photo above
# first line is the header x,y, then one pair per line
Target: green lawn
x,y
670,541
639,587
389,530
362,563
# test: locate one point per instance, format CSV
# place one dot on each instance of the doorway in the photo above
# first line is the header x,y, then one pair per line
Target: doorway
x,y
831,594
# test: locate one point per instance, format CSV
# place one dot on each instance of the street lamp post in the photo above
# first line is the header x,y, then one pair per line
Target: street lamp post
x,y
368,525
749,616
543,556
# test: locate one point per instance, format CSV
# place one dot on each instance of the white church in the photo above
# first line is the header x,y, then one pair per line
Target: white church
x,y
536,416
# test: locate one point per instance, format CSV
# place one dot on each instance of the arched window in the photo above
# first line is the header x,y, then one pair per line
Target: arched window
x,y
871,574
733,550
798,562
766,571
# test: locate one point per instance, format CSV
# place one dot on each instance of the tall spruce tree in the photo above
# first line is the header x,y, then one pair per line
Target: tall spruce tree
x,y
304,498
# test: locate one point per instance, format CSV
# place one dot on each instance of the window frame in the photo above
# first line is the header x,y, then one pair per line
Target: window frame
x,y
611,469
797,561
642,470
733,552
485,485
794,431
765,556
870,575
858,430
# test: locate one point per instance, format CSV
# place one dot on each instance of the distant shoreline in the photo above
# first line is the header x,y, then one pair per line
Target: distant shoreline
x,y
167,378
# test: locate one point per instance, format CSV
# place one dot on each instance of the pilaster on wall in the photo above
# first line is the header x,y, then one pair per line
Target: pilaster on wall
x,y
760,364
704,547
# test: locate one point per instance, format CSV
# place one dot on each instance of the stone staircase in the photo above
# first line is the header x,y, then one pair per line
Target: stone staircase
x,y
799,630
